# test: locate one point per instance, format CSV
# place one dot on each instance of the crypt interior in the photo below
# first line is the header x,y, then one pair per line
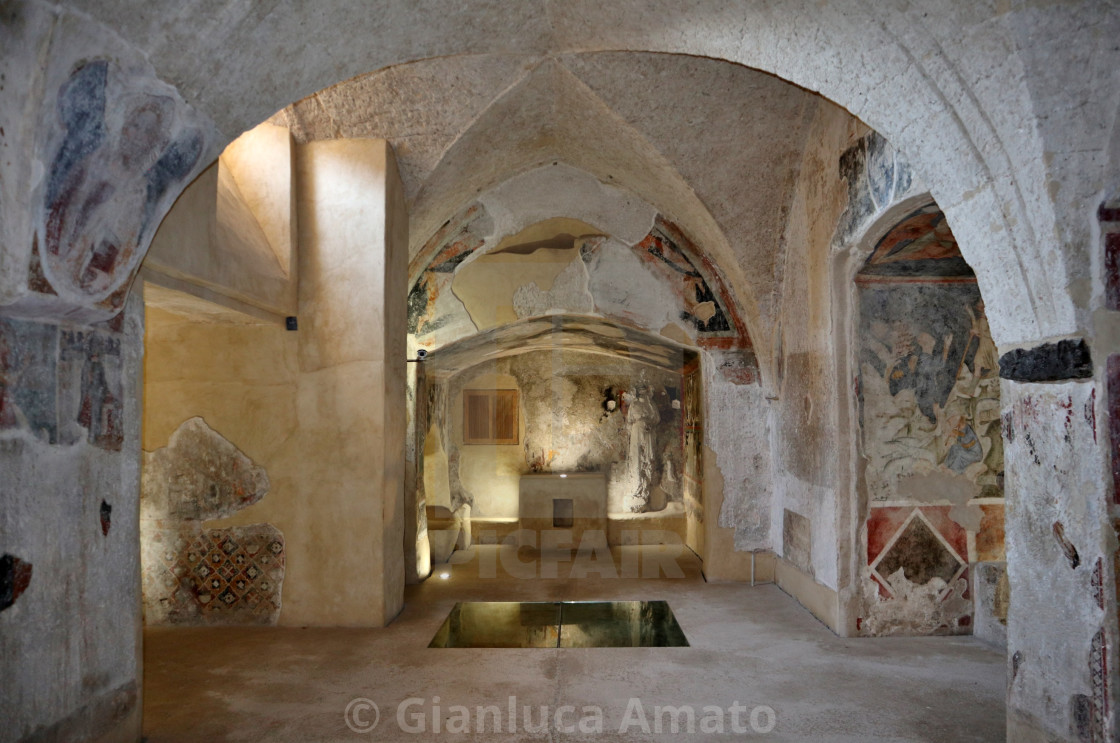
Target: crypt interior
x,y
798,323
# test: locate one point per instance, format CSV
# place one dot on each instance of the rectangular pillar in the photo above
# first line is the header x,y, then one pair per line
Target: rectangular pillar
x,y
353,253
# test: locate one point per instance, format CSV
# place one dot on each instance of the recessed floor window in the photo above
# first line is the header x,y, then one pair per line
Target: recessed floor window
x,y
566,624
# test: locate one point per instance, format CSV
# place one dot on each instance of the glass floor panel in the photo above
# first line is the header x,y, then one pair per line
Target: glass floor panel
x,y
567,624
499,624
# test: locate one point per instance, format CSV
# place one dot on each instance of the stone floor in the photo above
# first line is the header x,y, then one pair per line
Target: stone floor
x,y
756,656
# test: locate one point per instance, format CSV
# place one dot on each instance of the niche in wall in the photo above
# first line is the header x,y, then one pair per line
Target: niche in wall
x,y
929,417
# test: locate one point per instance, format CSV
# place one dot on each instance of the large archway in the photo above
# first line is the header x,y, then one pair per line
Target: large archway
x,y
1014,180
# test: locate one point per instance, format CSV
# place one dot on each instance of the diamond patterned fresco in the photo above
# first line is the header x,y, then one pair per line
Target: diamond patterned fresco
x,y
921,554
218,576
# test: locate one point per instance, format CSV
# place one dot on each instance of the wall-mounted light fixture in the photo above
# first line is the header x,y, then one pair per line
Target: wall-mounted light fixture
x,y
421,354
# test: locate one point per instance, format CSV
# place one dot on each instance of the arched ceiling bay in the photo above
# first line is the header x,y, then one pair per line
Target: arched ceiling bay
x,y
713,146
506,257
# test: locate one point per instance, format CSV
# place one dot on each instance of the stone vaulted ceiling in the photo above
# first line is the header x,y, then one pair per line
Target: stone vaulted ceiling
x,y
713,146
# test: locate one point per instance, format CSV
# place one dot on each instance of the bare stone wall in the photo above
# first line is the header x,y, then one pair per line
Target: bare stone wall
x,y
1062,629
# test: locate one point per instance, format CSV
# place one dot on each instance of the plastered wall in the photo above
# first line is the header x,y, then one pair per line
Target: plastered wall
x,y
231,236
316,408
736,484
805,516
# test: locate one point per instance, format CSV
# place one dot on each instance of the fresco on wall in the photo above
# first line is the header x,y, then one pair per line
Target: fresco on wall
x,y
193,575
118,161
930,431
642,418
929,370
28,364
90,391
62,385
452,244
920,246
929,386
708,308
661,284
213,576
15,577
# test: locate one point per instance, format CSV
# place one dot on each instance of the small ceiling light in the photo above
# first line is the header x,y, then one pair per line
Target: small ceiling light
x,y
444,576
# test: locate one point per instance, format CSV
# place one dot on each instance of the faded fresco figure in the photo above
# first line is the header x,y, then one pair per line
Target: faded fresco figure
x,y
964,445
11,415
109,178
923,369
642,418
902,437
929,382
100,409
28,385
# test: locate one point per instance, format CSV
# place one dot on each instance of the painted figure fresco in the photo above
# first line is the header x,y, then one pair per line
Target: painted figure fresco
x,y
673,257
119,157
929,369
642,418
692,401
91,395
28,353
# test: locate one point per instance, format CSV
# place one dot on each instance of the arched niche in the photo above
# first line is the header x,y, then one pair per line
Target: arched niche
x,y
928,435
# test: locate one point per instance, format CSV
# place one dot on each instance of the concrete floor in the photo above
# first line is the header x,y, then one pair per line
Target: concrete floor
x,y
754,646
